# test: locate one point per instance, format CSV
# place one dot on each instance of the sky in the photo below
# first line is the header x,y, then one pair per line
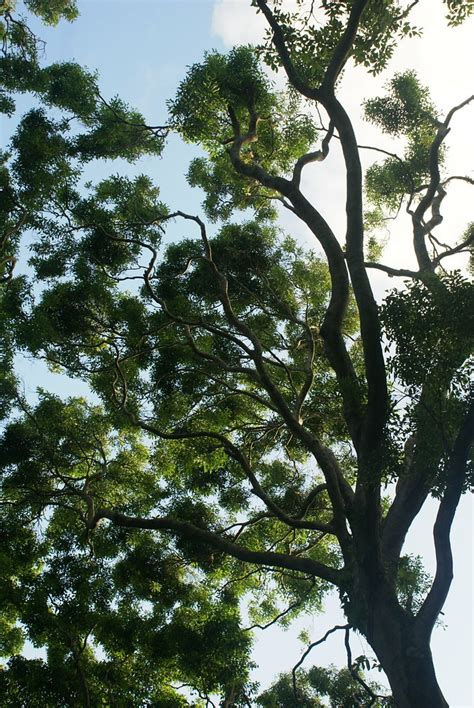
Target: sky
x,y
141,50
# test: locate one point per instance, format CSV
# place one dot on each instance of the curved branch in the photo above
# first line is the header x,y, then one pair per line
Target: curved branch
x,y
279,41
377,399
316,491
316,156
457,470
309,648
339,490
234,452
269,503
456,249
344,46
159,131
220,543
370,326
393,272
456,109
287,610
419,228
355,674
335,348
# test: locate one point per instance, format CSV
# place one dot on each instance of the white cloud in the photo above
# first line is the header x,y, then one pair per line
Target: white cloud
x,y
235,22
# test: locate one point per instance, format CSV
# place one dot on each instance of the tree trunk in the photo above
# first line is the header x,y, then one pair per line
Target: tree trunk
x,y
406,660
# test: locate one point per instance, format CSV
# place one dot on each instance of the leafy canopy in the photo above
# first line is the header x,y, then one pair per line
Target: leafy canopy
x,y
244,429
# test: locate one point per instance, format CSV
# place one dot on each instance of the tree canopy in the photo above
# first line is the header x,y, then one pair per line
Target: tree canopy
x,y
259,428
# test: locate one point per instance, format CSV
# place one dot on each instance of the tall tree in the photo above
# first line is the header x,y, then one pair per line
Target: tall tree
x,y
263,428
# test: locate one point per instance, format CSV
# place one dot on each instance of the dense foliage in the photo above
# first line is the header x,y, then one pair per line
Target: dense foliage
x,y
247,442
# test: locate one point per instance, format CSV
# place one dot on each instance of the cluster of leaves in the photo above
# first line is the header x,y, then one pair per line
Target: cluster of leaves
x,y
51,11
413,582
72,125
315,687
112,130
458,11
200,110
84,254
406,111
220,101
89,244
312,35
87,607
16,36
129,596
225,192
177,351
431,327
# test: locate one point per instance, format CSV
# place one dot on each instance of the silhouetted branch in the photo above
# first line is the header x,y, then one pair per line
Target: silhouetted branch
x,y
309,649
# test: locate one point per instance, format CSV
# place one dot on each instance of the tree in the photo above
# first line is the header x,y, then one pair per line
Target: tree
x,y
263,429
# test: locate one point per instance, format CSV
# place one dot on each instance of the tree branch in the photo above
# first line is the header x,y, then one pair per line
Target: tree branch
x,y
420,229
397,272
377,400
316,156
209,538
355,674
287,610
338,488
307,651
279,41
344,46
456,475
455,249
335,348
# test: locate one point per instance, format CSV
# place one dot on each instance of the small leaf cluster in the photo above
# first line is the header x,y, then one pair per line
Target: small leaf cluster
x,y
406,110
51,11
458,11
312,37
200,110
413,582
431,326
315,687
220,101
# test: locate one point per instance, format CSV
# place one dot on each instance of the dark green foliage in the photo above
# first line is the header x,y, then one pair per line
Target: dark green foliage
x,y
65,586
313,37
69,87
200,109
431,324
316,687
312,42
458,11
225,192
408,111
413,582
224,99
42,162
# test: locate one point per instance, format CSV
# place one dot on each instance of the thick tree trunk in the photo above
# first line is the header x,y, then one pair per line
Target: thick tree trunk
x,y
406,660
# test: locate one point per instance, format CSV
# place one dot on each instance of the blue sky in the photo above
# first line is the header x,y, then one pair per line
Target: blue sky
x,y
141,50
